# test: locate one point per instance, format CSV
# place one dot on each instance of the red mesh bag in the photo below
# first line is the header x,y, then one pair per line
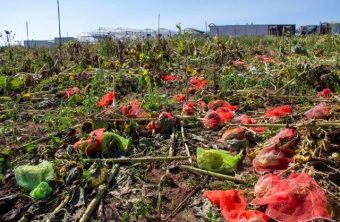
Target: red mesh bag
x,y
325,93
270,159
169,78
91,146
224,114
164,123
166,115
132,109
211,119
295,199
320,111
236,133
267,59
245,119
189,108
201,104
179,98
70,92
107,99
221,103
198,83
233,206
154,126
240,65
285,139
278,112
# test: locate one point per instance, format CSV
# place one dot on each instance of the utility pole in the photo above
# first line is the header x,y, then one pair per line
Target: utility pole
x,y
206,26
59,24
159,18
27,35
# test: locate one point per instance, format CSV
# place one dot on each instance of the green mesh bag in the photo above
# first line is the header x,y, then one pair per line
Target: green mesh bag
x,y
218,161
112,138
41,191
29,177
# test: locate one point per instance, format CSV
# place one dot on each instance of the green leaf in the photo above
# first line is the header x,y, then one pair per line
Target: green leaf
x,y
218,161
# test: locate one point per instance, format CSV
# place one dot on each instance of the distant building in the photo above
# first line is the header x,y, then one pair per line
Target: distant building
x,y
194,32
39,43
322,28
335,28
63,40
47,43
251,30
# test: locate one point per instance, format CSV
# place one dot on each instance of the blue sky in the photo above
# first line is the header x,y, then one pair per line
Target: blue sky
x,y
86,15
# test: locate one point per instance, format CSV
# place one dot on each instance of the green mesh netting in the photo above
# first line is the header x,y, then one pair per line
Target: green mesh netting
x,y
41,191
112,138
218,161
29,177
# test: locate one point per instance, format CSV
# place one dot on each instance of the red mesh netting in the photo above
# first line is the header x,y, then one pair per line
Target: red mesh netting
x,y
179,98
245,119
168,78
320,111
221,103
212,119
189,108
70,92
278,112
235,133
277,155
325,93
295,199
107,99
267,59
92,145
132,109
285,139
198,83
224,114
270,159
233,206
165,120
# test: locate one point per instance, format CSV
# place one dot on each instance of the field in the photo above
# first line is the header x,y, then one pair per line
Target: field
x,y
143,130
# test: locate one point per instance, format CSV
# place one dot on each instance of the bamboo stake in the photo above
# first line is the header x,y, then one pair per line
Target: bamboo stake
x,y
213,174
138,159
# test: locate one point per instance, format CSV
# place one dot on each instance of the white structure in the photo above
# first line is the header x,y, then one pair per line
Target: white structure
x,y
250,30
122,33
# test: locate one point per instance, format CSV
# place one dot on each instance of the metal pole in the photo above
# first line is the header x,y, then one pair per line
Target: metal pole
x,y
59,24
27,35
159,18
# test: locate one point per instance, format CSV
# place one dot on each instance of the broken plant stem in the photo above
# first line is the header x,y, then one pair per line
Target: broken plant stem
x,y
58,208
138,159
182,203
185,141
101,190
213,174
